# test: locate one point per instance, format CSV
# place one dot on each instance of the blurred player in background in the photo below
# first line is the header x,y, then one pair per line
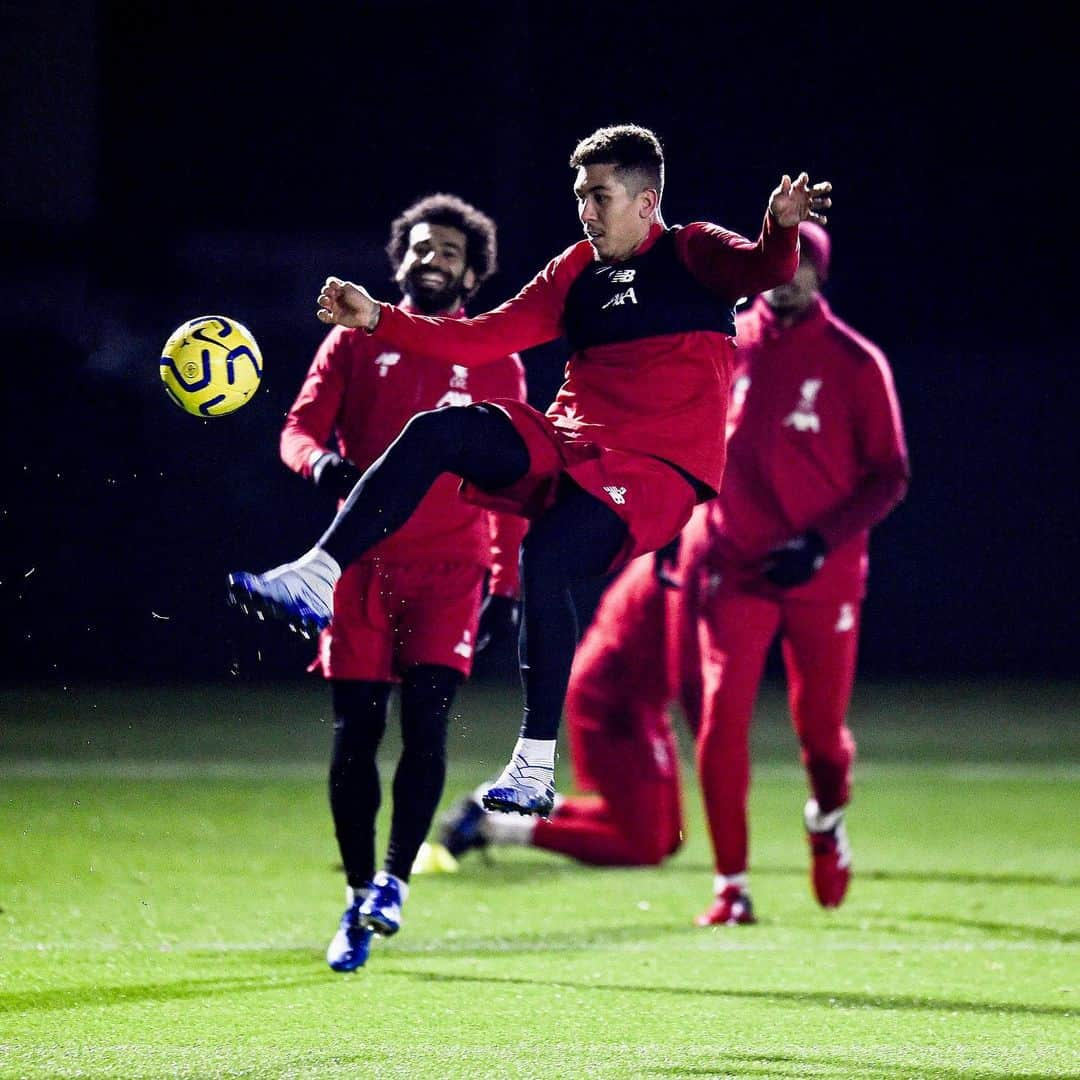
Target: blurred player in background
x,y
816,457
622,747
406,612
615,466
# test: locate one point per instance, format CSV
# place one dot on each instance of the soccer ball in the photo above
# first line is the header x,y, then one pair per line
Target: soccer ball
x,y
211,365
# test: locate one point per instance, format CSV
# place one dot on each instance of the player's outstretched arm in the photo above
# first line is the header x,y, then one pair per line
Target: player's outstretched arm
x,y
798,200
344,304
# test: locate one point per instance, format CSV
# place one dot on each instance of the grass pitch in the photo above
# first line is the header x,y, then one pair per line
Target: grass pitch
x,y
168,886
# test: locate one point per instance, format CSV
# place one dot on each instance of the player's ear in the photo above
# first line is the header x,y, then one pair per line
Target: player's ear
x,y
648,201
468,281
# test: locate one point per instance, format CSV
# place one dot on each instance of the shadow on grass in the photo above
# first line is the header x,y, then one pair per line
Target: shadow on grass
x,y
1002,929
832,999
804,1066
548,941
77,997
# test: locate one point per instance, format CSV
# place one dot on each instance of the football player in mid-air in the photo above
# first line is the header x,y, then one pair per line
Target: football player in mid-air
x,y
615,466
406,612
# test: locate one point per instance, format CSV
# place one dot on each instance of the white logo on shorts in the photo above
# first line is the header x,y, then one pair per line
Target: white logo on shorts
x,y
454,397
846,619
464,646
618,494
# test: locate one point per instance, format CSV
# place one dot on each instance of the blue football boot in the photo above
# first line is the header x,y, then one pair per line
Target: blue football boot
x,y
381,911
351,944
522,789
460,828
299,593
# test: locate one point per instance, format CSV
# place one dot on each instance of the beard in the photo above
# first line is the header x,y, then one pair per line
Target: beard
x,y
431,299
784,300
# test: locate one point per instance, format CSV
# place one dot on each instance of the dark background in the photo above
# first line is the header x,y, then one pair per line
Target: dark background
x,y
165,161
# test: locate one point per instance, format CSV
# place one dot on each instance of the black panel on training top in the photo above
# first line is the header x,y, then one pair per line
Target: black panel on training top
x,y
648,295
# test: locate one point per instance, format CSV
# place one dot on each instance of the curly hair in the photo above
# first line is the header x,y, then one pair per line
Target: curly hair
x,y
635,152
456,213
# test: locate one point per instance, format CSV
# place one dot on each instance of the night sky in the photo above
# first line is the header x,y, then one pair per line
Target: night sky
x,y
164,163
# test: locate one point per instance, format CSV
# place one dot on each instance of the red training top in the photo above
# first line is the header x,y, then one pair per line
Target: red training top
x,y
363,393
656,395
815,441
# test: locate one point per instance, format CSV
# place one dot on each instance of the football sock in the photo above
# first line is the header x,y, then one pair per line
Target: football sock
x,y
383,878
534,760
722,881
321,572
508,828
816,821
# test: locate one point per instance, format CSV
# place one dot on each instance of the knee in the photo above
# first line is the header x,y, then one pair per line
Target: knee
x,y
435,428
655,836
652,848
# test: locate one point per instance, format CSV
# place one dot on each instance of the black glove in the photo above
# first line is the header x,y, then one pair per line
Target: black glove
x,y
499,616
795,562
665,560
334,474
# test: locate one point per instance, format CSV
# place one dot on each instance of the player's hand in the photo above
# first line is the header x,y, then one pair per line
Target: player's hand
x,y
334,474
795,562
665,560
345,304
799,200
499,617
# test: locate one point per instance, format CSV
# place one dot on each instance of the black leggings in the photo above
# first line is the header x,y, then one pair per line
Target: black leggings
x,y
475,442
576,538
427,693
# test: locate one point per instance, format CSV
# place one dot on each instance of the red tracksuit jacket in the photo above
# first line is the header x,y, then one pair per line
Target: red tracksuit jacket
x,y
815,441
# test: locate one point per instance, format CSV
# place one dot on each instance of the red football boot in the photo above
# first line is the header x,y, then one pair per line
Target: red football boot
x,y
830,854
732,907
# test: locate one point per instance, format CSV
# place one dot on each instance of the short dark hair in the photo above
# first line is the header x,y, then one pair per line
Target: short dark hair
x,y
443,209
631,149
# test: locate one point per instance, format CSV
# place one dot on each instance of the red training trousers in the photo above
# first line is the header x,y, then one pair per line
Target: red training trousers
x,y
819,641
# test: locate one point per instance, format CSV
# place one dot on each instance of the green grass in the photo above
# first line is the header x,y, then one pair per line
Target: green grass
x,y
168,885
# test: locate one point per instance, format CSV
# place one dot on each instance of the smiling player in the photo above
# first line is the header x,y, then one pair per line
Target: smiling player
x,y
406,613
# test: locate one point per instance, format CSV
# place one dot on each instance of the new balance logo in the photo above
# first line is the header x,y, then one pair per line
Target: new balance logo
x,y
846,619
386,361
623,277
628,297
618,494
454,397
